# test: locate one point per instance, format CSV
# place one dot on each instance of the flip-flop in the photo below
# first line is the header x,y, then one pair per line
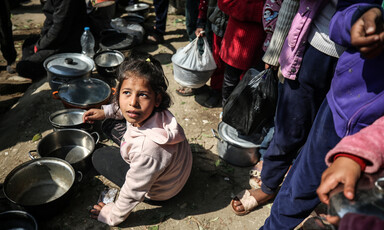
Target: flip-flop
x,y
247,200
185,91
255,177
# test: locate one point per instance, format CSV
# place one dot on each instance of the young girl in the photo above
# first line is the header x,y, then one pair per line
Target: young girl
x,y
155,159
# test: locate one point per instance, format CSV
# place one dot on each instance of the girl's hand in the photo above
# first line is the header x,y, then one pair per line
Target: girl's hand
x,y
92,115
268,66
95,211
343,170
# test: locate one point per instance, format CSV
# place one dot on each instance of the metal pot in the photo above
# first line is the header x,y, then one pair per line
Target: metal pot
x,y
236,149
107,62
64,67
72,145
40,186
17,219
69,119
84,93
138,8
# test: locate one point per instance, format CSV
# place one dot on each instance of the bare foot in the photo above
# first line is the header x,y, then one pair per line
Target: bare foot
x,y
258,194
255,175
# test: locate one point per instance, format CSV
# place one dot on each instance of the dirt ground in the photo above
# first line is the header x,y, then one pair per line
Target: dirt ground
x,y
202,204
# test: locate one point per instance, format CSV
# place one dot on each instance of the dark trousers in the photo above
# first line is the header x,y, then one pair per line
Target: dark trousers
x,y
6,38
297,196
108,162
191,14
298,103
161,11
231,79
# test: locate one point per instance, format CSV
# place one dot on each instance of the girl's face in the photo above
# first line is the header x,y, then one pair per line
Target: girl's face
x,y
137,100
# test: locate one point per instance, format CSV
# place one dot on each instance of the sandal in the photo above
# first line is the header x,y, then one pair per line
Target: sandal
x,y
248,202
255,175
185,91
155,37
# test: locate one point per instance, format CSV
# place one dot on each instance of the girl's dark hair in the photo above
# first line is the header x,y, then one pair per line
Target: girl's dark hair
x,y
149,68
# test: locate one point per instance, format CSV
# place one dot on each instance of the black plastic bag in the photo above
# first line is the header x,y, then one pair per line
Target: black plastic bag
x,y
252,104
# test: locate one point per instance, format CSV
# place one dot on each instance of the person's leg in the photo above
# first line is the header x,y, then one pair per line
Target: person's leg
x,y
6,38
161,11
297,196
32,66
191,14
108,162
114,129
298,103
231,79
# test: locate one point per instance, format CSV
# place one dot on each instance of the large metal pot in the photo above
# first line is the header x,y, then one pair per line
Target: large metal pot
x,y
69,119
41,186
237,149
72,145
17,219
140,8
84,93
107,62
65,67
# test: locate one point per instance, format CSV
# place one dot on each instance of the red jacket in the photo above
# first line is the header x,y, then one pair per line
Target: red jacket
x,y
244,36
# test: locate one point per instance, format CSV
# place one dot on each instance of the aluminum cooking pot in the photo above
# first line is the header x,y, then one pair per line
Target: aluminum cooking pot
x,y
107,62
237,149
84,93
17,219
141,9
41,186
72,145
64,67
69,119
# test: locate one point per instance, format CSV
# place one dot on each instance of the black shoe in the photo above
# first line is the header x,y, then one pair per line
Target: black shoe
x,y
214,101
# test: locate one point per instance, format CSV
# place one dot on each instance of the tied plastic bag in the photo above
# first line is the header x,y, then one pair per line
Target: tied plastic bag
x,y
192,69
252,104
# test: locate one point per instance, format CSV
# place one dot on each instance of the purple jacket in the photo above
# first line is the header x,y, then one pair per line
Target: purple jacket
x,y
356,96
296,41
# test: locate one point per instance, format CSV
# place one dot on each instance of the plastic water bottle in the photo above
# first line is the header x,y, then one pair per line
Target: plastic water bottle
x,y
87,43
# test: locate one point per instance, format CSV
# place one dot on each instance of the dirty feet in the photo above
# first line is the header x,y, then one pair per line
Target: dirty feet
x,y
248,200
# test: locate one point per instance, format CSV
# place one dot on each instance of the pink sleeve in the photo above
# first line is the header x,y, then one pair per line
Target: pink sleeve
x,y
367,144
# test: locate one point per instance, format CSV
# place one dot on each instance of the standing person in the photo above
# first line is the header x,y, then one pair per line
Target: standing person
x,y
156,34
6,38
61,32
355,100
210,16
307,67
155,159
241,47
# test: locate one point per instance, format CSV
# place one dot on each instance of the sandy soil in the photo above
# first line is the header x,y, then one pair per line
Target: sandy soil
x,y
202,204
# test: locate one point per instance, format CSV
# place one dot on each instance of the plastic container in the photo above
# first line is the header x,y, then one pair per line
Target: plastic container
x,y
87,43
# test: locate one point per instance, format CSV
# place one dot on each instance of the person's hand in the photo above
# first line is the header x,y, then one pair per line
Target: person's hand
x,y
343,170
95,211
367,34
268,66
199,32
92,115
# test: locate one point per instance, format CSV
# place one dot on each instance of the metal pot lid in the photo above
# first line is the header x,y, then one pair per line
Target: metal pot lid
x,y
67,117
230,134
85,92
109,58
137,7
69,64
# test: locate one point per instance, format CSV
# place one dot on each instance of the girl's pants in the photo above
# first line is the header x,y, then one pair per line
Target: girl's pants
x,y
298,103
108,162
297,196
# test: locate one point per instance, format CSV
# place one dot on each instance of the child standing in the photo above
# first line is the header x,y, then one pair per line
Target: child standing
x,y
154,160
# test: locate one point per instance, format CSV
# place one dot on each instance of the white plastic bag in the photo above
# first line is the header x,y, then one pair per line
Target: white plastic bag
x,y
192,69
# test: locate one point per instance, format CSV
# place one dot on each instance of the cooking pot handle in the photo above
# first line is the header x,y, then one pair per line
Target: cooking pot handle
x,y
216,135
80,177
97,137
55,95
114,91
32,156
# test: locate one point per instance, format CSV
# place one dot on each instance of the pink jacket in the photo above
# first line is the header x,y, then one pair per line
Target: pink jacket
x,y
296,41
367,144
160,161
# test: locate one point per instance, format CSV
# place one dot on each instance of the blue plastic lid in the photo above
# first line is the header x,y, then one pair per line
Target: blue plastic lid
x,y
86,28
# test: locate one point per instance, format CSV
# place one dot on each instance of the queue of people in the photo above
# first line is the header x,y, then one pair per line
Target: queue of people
x,y
328,125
